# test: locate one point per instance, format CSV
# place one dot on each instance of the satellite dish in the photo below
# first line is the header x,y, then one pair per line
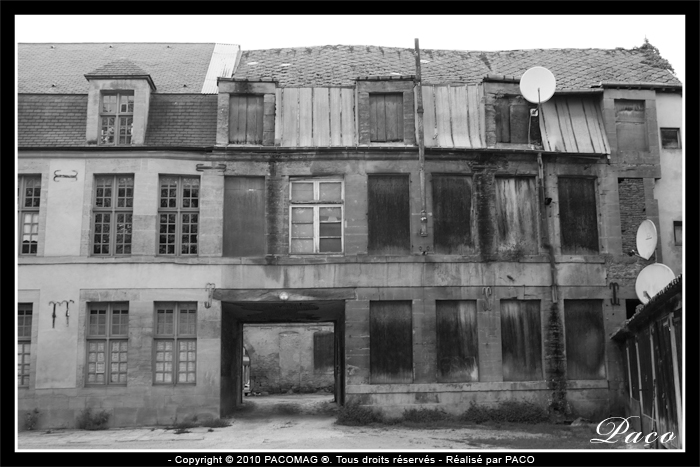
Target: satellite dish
x,y
537,85
646,239
652,280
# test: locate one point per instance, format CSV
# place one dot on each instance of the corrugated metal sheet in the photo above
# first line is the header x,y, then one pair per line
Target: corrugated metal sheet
x,y
222,65
453,116
573,124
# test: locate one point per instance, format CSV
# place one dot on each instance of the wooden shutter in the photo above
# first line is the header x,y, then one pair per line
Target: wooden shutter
x,y
585,339
521,340
630,125
516,214
386,117
457,341
244,216
578,217
324,345
452,214
388,215
246,119
390,342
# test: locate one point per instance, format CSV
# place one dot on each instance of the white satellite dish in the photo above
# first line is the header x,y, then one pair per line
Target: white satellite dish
x,y
537,85
652,280
646,239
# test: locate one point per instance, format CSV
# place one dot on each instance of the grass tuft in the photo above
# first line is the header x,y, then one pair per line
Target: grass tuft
x,y
353,414
506,411
92,421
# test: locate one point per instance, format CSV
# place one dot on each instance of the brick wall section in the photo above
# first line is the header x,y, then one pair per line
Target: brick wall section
x,y
46,120
182,120
632,210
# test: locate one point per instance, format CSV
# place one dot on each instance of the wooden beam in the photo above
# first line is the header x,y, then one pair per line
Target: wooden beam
x,y
293,295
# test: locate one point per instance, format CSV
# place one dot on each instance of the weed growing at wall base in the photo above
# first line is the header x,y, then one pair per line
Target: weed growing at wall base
x,y
92,421
506,411
31,419
353,414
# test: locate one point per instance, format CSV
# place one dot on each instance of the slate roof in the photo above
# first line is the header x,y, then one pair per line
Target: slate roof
x,y
60,68
341,64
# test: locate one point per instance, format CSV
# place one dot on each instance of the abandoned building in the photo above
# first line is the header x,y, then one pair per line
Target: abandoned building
x,y
460,242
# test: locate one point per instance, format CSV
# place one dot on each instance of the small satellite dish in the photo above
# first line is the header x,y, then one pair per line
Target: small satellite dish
x,y
652,280
646,239
537,85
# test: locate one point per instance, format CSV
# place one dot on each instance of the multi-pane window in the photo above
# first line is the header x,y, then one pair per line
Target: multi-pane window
x,y
112,214
175,343
178,213
316,216
29,199
24,342
116,118
107,343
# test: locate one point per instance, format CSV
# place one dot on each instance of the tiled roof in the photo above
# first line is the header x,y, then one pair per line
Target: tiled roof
x,y
60,121
341,64
120,66
60,68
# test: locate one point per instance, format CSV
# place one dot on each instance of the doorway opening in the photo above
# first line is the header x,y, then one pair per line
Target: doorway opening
x,y
291,351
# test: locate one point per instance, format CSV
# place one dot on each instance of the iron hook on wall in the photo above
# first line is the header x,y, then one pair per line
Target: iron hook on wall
x,y
614,286
202,167
210,290
53,315
68,302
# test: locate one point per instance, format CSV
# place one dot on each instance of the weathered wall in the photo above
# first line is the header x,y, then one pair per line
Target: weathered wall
x,y
668,189
282,358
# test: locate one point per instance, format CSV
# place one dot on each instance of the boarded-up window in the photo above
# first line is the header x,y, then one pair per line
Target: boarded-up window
x,y
647,376
386,117
634,369
513,121
457,341
631,125
388,215
246,119
578,217
521,340
452,214
516,215
585,339
390,342
244,216
324,346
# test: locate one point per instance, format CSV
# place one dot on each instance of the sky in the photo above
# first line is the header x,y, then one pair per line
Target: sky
x,y
453,32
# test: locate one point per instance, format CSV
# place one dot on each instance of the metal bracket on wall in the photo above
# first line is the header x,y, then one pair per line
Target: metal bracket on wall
x,y
487,293
53,315
202,167
614,286
68,302
210,290
57,175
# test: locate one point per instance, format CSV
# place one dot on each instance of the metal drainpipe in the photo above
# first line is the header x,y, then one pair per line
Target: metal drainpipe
x,y
421,148
545,227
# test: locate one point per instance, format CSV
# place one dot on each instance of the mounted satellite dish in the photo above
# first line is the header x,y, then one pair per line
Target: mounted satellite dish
x,y
537,85
652,280
646,239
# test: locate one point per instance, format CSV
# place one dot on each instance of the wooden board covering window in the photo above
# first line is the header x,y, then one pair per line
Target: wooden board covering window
x,y
246,119
324,345
390,342
512,121
665,381
452,214
516,214
244,216
630,125
634,369
521,340
388,215
585,339
578,216
457,341
647,375
386,117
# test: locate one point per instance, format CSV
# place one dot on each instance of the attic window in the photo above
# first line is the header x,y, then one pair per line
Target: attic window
x,y
116,118
386,117
670,138
513,122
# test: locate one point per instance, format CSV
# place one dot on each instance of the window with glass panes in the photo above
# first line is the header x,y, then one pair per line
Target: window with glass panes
x,y
175,343
29,200
316,216
178,215
24,342
112,213
107,343
116,117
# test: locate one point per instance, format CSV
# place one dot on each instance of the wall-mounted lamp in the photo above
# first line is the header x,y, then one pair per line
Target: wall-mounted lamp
x,y
284,296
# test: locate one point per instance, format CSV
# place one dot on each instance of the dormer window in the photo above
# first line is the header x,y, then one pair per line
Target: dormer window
x,y
116,118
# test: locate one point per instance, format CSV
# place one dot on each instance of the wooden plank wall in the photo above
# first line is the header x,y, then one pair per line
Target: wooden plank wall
x,y
573,124
452,214
578,216
521,340
517,214
388,215
318,117
453,116
391,342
